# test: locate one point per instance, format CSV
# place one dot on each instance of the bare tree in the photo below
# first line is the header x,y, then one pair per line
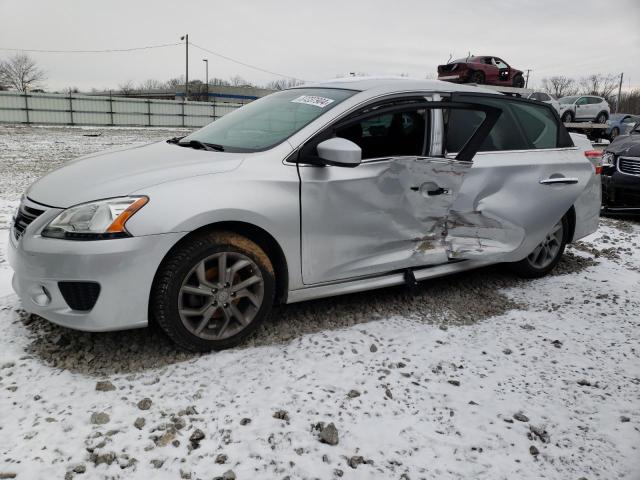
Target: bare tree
x,y
174,83
126,88
150,84
630,102
238,81
218,82
284,83
599,85
559,86
70,90
21,72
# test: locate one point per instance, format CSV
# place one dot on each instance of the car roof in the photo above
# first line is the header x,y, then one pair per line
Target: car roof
x,y
384,85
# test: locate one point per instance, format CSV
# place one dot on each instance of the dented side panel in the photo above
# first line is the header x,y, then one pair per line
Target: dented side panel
x,y
381,216
503,211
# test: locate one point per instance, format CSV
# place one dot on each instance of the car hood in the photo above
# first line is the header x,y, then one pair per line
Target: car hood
x,y
120,172
625,145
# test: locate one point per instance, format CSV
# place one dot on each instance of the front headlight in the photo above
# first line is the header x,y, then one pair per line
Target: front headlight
x,y
95,220
608,159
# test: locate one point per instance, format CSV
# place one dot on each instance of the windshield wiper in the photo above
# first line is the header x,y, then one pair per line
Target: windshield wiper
x,y
197,144
174,139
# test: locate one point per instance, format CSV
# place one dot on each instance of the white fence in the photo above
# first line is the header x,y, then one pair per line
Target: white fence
x,y
60,109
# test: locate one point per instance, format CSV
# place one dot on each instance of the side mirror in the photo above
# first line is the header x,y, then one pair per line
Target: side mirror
x,y
340,152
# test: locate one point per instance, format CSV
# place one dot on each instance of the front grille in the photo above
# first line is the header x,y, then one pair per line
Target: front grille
x,y
23,219
80,295
629,165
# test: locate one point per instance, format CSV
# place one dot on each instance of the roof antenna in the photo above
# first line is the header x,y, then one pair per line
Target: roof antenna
x,y
468,56
450,56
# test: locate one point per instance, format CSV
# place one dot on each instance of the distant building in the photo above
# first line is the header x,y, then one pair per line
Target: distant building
x,y
220,93
197,93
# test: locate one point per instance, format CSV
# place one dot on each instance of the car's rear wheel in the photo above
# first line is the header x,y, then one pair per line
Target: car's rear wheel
x,y
602,117
213,291
546,255
567,117
518,81
614,133
477,77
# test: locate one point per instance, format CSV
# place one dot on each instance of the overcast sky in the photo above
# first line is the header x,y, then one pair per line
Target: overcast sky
x,y
315,40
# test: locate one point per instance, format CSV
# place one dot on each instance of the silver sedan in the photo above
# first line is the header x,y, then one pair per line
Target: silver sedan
x,y
309,192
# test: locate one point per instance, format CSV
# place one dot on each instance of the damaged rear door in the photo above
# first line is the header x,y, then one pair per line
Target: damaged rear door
x,y
526,176
390,212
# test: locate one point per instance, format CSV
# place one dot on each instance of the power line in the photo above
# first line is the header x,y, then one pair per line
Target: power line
x,y
245,64
110,50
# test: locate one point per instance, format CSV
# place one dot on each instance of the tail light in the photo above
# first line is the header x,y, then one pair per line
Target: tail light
x,y
596,157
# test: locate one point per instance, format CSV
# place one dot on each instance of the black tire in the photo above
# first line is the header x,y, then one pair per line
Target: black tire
x,y
179,267
518,81
527,269
602,117
567,117
477,77
615,131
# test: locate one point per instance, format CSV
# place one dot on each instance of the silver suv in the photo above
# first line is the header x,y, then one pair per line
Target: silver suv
x,y
309,192
584,108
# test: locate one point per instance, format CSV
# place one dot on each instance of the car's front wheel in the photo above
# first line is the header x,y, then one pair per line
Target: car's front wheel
x,y
547,254
518,81
213,290
567,117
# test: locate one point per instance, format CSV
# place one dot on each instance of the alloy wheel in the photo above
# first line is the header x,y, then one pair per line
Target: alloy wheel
x,y
547,251
221,295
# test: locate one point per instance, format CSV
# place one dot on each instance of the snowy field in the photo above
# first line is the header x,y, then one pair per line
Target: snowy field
x,y
477,376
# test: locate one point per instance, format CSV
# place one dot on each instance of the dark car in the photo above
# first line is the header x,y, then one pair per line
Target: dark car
x,y
485,70
621,174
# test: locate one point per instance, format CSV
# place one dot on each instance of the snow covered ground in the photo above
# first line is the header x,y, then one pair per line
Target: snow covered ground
x,y
478,376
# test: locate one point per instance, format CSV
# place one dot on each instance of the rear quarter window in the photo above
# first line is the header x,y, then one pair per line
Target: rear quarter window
x,y
538,123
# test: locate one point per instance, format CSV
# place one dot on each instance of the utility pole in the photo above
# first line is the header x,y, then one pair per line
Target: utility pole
x,y
206,62
526,82
186,69
619,93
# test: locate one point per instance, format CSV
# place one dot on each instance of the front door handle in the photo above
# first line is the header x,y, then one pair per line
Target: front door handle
x,y
559,180
430,189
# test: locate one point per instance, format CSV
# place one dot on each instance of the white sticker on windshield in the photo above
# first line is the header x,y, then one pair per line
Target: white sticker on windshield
x,y
313,100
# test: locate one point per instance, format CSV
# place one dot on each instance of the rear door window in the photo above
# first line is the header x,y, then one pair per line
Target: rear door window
x,y
522,126
505,135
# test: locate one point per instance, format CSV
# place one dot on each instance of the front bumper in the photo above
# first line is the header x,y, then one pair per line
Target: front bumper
x,y
124,268
620,191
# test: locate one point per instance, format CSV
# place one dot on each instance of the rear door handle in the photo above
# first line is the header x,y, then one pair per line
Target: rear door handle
x,y
559,180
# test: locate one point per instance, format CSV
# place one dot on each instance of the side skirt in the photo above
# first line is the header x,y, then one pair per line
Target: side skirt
x,y
371,283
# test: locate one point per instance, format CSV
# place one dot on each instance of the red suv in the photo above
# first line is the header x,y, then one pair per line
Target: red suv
x,y
482,70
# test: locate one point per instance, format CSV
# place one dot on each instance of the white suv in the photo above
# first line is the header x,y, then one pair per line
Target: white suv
x,y
584,108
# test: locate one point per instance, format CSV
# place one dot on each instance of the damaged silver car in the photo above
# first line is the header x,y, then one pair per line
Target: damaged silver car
x,y
310,192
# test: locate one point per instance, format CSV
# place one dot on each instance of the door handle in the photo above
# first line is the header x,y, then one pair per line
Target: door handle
x,y
559,180
430,189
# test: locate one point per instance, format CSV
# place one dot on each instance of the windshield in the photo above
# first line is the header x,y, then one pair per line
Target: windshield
x,y
565,100
268,121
